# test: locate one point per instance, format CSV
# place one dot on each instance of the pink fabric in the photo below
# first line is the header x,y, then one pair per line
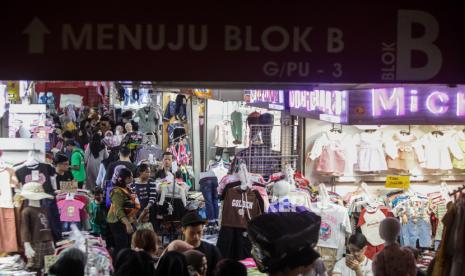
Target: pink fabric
x,y
225,181
332,160
394,260
181,156
8,241
257,179
230,178
69,210
263,194
249,263
82,198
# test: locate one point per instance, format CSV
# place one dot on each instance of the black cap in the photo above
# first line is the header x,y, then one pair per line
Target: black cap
x,y
192,218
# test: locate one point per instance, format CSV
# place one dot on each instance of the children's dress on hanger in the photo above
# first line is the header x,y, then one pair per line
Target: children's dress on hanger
x,y
371,155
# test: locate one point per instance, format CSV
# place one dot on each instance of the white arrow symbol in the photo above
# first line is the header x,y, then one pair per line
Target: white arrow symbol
x,y
36,30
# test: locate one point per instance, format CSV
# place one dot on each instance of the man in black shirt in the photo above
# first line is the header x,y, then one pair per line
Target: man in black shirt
x,y
192,229
62,170
124,159
167,165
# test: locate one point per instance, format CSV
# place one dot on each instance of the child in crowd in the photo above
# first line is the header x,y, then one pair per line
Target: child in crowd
x,y
145,189
143,222
98,213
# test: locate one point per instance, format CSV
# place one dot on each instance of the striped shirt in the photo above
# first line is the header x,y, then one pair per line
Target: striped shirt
x,y
146,192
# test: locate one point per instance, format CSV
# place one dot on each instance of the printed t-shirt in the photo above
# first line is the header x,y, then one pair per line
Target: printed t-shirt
x,y
35,226
239,207
69,210
369,222
335,223
40,173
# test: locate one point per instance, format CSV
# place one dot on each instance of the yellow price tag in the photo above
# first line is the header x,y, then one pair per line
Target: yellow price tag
x,y
13,91
397,181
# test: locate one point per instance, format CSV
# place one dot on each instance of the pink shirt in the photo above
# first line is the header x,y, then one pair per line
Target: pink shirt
x,y
69,210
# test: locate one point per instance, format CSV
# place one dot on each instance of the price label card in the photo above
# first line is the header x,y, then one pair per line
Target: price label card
x,y
35,175
68,186
398,181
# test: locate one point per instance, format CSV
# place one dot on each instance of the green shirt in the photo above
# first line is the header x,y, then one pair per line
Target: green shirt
x,y
77,159
98,217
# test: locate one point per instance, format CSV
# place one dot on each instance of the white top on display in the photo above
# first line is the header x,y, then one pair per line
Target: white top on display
x,y
27,108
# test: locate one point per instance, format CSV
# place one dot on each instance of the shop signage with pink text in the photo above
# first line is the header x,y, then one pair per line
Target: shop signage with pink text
x,y
325,105
408,105
271,99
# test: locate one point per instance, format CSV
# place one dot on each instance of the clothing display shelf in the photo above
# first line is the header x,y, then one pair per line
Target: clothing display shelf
x,y
381,178
268,152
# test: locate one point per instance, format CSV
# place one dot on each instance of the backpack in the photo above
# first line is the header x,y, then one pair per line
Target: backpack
x,y
131,204
108,187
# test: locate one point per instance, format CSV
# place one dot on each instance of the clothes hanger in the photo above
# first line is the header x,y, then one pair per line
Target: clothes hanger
x,y
244,177
458,190
405,132
289,174
437,132
334,129
31,160
324,196
370,130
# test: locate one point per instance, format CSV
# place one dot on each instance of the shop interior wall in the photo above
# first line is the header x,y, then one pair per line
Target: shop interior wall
x,y
16,150
167,97
90,97
314,129
218,111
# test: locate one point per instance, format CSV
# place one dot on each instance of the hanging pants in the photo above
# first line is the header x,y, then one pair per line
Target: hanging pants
x,y
209,186
236,126
53,216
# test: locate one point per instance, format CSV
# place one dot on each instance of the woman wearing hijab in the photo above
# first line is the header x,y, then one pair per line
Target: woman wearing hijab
x,y
123,208
94,155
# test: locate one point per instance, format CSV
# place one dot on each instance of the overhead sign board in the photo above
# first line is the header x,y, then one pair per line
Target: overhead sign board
x,y
290,43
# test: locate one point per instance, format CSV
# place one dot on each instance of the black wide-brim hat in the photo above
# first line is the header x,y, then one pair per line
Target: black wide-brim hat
x,y
279,239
